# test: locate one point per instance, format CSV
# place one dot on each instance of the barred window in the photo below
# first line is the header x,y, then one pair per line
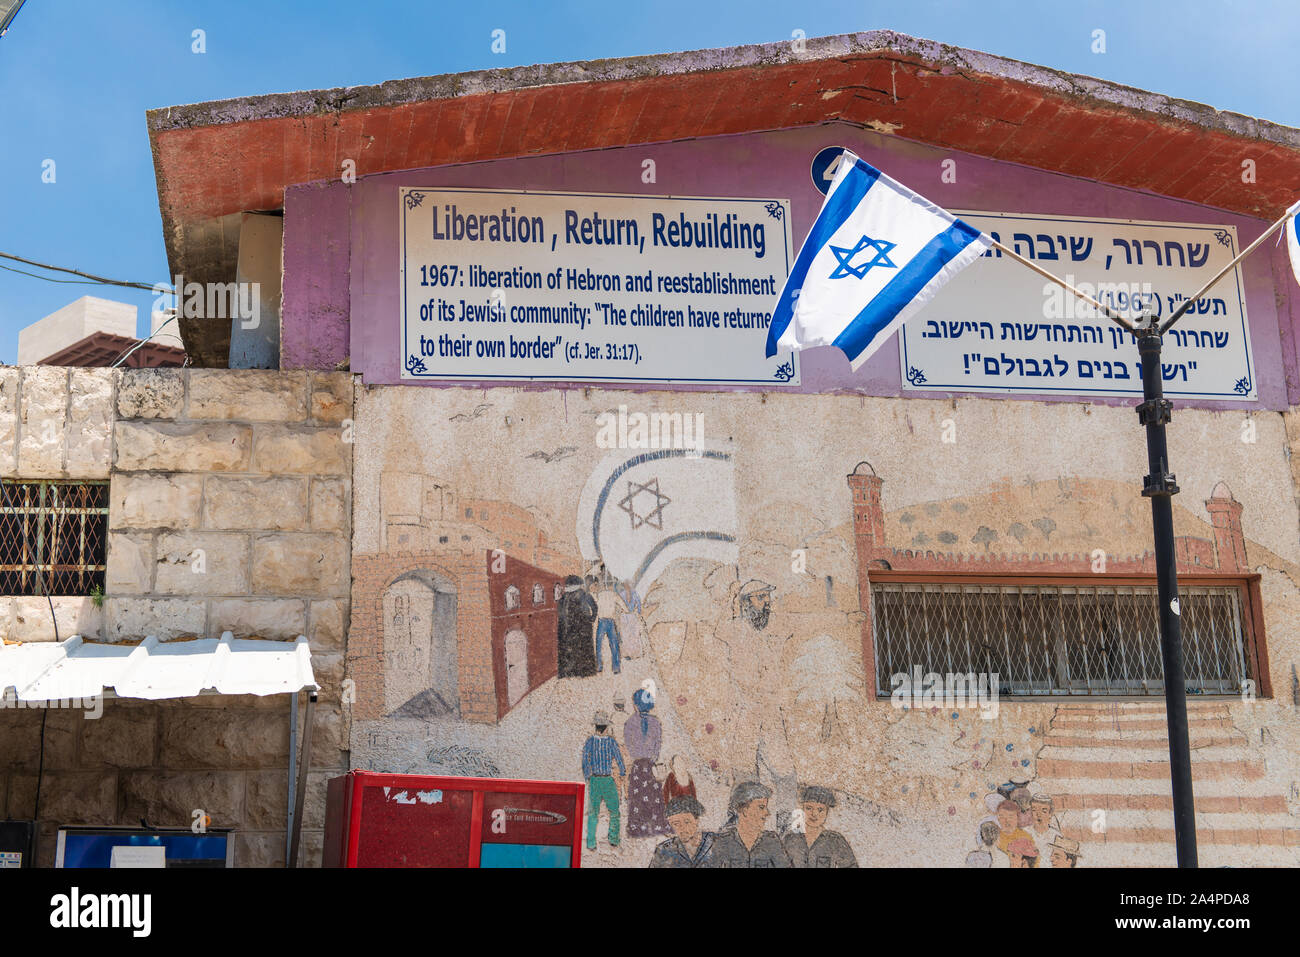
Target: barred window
x,y
53,537
1042,639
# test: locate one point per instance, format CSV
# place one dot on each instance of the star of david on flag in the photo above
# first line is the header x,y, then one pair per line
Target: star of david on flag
x,y
875,255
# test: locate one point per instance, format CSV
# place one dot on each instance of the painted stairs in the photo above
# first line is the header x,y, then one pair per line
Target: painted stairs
x,y
1107,768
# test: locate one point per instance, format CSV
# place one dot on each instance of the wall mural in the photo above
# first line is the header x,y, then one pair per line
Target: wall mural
x,y
645,620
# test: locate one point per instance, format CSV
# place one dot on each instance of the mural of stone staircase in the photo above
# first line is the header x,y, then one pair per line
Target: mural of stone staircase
x,y
1115,758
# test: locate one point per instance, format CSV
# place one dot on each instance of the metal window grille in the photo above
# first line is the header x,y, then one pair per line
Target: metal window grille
x,y
53,537
1056,639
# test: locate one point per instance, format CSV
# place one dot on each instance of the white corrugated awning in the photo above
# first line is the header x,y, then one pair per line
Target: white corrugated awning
x,y
153,669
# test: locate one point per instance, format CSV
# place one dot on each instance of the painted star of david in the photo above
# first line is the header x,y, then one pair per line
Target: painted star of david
x,y
846,268
655,517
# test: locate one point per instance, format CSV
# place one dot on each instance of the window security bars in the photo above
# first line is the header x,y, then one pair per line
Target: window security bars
x,y
53,537
1052,640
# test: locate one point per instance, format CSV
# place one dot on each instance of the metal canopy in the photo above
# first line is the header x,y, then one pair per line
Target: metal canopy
x,y
153,669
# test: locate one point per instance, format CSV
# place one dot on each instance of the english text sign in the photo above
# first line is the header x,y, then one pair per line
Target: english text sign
x,y
581,286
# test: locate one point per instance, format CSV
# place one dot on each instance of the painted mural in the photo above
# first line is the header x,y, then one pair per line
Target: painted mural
x,y
681,625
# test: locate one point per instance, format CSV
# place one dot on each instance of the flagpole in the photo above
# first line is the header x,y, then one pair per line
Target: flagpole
x,y
1104,310
1228,268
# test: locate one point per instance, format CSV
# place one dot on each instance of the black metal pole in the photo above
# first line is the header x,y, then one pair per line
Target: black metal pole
x,y
1154,413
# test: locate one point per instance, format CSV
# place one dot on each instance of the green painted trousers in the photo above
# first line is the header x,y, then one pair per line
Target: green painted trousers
x,y
602,788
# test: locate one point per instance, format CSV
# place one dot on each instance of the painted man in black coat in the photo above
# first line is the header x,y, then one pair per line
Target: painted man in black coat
x,y
575,644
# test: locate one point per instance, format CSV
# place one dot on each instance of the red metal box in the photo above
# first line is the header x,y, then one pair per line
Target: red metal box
x,y
417,820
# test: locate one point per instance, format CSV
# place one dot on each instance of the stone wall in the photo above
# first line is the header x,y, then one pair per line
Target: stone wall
x,y
229,510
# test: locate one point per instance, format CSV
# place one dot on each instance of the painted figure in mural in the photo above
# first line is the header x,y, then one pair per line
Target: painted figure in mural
x,y
599,754
574,647
608,607
690,847
759,660
1009,826
1043,825
642,736
816,846
1023,799
679,782
1065,852
1022,853
986,839
630,637
745,842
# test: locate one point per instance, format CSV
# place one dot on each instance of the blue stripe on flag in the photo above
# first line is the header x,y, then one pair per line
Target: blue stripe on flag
x,y
903,288
838,208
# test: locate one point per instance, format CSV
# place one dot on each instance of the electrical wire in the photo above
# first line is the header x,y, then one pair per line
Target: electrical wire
x,y
124,356
77,272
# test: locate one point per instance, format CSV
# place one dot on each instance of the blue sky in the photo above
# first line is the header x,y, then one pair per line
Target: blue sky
x,y
78,76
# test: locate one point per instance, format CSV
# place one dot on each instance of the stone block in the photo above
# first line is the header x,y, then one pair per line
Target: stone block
x,y
266,799
248,395
259,848
170,797
200,738
75,615
201,563
9,384
43,420
306,564
328,628
301,451
121,738
90,423
164,618
328,670
329,505
181,447
278,618
166,502
151,394
68,797
260,502
331,397
130,564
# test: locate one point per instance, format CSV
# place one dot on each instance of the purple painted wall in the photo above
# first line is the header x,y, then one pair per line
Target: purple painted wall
x,y
331,275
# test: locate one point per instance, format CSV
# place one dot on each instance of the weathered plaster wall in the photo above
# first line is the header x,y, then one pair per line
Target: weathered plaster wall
x,y
353,287
1045,480
230,510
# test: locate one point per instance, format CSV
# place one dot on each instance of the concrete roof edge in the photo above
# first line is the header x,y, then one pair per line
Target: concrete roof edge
x,y
940,55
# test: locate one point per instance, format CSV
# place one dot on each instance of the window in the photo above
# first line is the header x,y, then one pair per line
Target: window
x,y
512,598
539,594
53,537
1058,639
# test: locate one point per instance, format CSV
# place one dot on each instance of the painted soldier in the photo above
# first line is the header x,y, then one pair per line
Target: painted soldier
x,y
745,842
691,846
816,846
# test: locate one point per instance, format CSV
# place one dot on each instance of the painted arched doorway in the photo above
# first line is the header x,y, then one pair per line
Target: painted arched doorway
x,y
420,657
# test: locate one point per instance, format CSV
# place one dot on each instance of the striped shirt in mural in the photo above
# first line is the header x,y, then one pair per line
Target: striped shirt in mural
x,y
598,755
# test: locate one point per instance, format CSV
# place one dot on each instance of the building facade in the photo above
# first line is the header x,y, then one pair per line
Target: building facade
x,y
923,589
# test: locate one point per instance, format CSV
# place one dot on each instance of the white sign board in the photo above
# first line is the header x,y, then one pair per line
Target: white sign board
x,y
10,859
998,327
130,855
587,286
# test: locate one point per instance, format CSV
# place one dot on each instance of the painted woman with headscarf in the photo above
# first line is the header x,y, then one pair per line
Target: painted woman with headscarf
x,y
642,737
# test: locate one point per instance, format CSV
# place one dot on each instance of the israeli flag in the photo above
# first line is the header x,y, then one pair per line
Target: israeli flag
x,y
1293,239
876,254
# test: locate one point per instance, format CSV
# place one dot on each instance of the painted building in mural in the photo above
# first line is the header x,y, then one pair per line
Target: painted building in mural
x,y
772,610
